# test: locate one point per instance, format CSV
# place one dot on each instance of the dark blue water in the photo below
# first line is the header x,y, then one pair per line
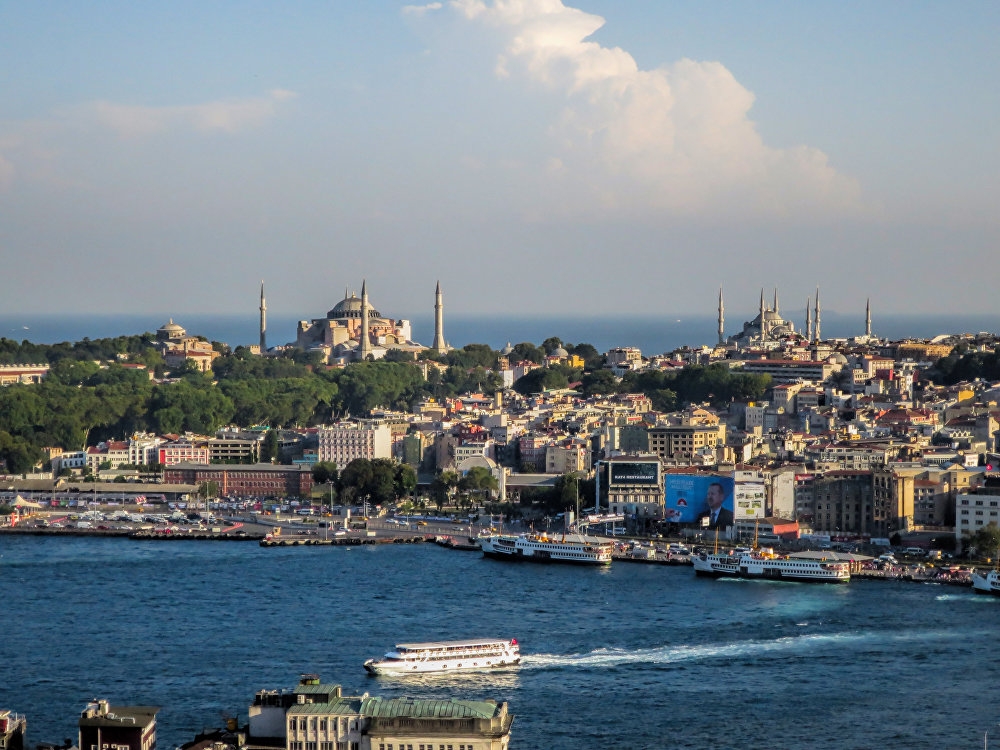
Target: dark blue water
x,y
653,334
634,656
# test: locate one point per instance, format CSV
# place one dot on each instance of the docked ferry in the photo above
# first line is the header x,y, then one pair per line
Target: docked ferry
x,y
764,563
988,583
447,656
567,548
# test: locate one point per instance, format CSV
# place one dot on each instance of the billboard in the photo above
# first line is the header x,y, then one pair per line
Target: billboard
x,y
688,497
634,472
749,500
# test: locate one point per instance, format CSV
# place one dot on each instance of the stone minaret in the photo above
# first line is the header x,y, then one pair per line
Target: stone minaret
x,y
365,350
809,322
722,320
816,332
775,299
439,346
868,318
263,319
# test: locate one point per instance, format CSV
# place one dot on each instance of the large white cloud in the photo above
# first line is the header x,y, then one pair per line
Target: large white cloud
x,y
677,138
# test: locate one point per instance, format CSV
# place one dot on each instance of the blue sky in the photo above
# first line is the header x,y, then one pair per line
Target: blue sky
x,y
535,156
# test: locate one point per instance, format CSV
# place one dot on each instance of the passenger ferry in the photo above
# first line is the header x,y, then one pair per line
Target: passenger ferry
x,y
573,548
763,563
988,583
447,656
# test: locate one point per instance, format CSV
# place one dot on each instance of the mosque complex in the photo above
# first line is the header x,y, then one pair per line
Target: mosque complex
x,y
768,328
354,330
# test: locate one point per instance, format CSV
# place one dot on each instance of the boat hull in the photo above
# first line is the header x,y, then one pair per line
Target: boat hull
x,y
770,569
535,558
541,549
467,665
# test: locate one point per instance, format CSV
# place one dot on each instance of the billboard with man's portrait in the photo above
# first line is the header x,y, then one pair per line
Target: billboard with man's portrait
x,y
688,498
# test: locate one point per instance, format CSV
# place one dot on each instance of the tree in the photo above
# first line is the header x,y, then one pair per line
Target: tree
x,y
442,487
528,351
270,449
599,383
540,379
208,490
551,344
986,541
477,482
323,472
406,480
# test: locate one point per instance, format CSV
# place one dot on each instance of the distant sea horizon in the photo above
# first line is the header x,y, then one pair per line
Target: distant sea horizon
x,y
653,334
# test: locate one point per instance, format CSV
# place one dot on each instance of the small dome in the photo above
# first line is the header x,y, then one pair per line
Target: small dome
x,y
507,350
561,353
837,359
170,330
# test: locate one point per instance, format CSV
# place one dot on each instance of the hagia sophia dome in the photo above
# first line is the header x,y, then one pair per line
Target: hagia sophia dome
x,y
350,307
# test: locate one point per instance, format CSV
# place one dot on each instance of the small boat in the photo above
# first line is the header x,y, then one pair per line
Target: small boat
x,y
447,656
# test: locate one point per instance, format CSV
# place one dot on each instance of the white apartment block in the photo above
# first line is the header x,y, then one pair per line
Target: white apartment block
x,y
73,460
973,512
342,443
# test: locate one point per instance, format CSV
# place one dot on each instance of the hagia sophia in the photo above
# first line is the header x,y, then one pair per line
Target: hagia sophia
x,y
354,330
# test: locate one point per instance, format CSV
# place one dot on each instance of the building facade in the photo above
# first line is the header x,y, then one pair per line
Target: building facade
x,y
342,443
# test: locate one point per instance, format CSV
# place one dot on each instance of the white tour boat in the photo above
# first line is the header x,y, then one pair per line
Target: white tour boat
x,y
447,656
763,563
566,548
986,583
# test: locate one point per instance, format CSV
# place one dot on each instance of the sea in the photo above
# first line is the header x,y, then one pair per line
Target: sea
x,y
632,656
653,334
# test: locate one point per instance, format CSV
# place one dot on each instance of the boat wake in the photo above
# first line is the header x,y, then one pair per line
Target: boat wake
x,y
668,655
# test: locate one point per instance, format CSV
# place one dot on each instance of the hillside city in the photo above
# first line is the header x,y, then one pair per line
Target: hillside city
x,y
855,438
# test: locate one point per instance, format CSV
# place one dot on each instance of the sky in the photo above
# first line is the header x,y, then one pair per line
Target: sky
x,y
537,157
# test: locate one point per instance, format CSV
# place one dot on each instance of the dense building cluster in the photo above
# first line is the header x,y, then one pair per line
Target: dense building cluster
x,y
840,436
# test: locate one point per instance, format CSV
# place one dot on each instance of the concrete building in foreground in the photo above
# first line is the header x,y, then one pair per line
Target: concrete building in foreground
x,y
318,716
107,727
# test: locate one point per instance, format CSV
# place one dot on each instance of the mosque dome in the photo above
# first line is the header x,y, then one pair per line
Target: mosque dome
x,y
837,359
560,352
170,330
350,307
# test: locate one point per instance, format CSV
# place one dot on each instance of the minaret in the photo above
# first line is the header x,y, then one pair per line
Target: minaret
x,y
868,318
816,338
722,320
809,322
439,346
763,322
263,319
365,350
775,300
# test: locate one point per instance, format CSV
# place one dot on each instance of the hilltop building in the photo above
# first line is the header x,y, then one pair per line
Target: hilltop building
x,y
354,330
177,347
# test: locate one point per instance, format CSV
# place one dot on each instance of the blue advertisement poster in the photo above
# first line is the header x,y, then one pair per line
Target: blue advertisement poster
x,y
690,497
